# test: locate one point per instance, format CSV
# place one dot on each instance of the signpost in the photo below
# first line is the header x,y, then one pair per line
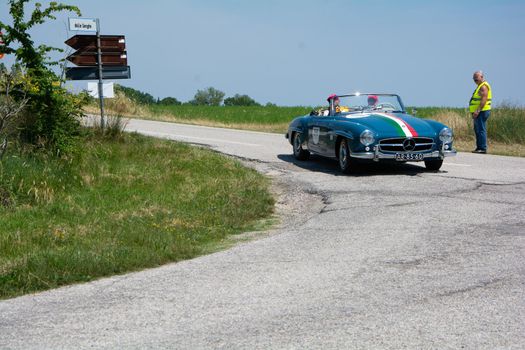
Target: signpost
x,y
91,59
113,49
98,56
108,43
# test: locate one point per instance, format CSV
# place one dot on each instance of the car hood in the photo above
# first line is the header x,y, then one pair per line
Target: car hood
x,y
393,124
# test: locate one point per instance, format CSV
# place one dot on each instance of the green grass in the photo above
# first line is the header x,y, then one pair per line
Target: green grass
x,y
262,118
127,204
233,114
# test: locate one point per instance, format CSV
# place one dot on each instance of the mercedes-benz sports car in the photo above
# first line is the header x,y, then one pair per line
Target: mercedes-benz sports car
x,y
373,127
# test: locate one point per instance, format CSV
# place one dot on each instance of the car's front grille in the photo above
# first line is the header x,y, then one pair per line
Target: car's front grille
x,y
397,144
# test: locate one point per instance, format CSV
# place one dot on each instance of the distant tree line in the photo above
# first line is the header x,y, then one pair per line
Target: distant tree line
x,y
207,97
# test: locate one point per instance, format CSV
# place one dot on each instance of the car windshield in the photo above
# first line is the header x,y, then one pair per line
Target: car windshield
x,y
370,102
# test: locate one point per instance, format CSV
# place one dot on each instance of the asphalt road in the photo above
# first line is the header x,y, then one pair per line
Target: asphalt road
x,y
391,258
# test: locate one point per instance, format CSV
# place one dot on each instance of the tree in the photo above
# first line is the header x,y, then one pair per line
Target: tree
x,y
32,58
169,101
208,97
240,100
9,107
54,111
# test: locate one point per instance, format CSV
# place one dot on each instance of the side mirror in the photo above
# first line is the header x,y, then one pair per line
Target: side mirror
x,y
414,111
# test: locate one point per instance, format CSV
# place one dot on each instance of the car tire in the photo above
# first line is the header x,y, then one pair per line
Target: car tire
x,y
298,151
346,163
434,164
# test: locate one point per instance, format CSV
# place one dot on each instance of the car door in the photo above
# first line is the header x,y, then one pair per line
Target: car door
x,y
329,138
318,134
314,124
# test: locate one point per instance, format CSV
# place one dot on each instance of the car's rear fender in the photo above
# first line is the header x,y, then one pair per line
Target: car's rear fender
x,y
291,132
299,125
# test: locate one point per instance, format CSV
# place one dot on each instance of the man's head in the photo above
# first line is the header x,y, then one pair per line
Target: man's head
x,y
372,100
478,77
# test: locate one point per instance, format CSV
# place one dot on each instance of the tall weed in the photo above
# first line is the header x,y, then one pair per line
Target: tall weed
x,y
506,123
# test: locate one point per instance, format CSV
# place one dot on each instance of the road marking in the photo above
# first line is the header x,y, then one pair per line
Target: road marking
x,y
170,135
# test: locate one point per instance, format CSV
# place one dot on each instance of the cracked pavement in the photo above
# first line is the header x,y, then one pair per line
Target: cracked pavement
x,y
392,257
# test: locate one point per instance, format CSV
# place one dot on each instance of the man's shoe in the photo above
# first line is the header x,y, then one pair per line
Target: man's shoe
x,y
482,151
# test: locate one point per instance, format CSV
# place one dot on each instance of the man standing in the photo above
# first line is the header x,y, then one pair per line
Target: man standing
x,y
479,106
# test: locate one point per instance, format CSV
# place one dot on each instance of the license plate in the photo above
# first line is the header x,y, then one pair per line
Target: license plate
x,y
409,156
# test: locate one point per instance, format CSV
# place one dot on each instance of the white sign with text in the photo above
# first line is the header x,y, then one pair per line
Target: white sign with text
x,y
83,24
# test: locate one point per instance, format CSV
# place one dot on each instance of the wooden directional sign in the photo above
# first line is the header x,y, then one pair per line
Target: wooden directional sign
x,y
91,73
113,58
90,58
108,43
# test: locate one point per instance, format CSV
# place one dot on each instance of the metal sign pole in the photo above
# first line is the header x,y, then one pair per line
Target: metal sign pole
x,y
100,82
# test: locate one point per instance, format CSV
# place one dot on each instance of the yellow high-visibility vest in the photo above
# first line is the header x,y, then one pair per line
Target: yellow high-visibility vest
x,y
475,100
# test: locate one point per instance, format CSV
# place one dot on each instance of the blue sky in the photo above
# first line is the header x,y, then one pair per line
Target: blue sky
x,y
298,52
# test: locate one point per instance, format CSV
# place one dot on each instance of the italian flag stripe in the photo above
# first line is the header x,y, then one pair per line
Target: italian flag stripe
x,y
402,127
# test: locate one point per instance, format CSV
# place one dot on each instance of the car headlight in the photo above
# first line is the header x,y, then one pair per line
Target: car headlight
x,y
445,135
367,138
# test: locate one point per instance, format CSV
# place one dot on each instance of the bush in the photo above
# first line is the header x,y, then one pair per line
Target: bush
x,y
53,118
169,101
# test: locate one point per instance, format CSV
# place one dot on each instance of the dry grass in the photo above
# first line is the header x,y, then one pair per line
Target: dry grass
x,y
120,105
465,140
462,126
498,148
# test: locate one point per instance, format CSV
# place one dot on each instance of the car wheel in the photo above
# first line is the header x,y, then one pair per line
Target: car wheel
x,y
298,151
434,164
346,163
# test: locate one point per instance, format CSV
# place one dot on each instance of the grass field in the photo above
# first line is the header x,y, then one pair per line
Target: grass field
x,y
127,204
260,118
506,126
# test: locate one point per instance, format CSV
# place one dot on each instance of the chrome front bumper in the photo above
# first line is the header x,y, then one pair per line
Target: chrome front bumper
x,y
376,155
